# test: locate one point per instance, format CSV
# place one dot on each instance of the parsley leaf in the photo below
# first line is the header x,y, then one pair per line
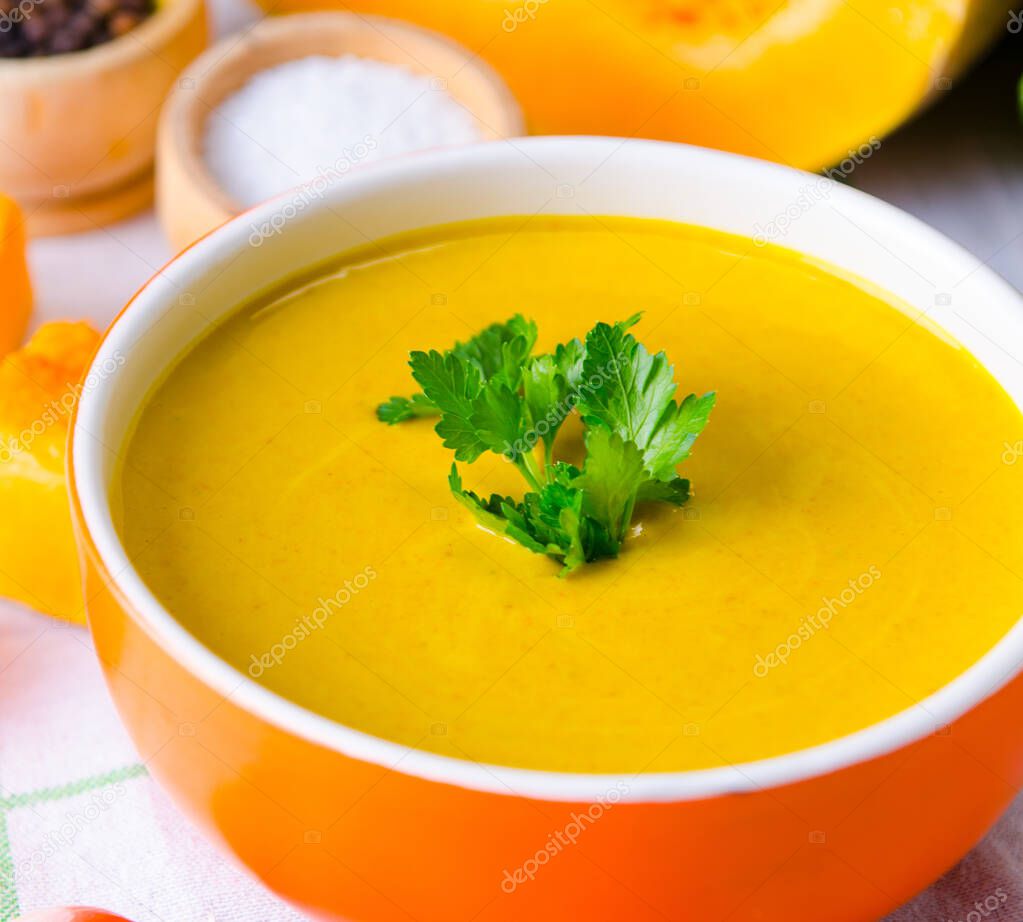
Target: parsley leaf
x,y
452,385
500,349
610,481
633,388
569,359
634,397
545,389
493,395
498,416
674,491
490,512
399,409
677,429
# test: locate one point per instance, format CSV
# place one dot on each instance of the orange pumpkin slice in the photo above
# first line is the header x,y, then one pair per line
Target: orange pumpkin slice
x,y
39,387
15,290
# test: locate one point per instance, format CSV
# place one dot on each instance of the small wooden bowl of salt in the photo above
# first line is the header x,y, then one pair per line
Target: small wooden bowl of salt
x,y
304,99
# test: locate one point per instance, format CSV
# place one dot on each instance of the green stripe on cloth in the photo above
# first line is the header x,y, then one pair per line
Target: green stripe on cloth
x,y
9,908
9,904
43,795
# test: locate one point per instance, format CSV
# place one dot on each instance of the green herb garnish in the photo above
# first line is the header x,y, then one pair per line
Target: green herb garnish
x,y
493,394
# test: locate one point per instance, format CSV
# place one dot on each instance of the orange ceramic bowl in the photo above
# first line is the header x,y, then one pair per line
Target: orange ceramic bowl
x,y
348,826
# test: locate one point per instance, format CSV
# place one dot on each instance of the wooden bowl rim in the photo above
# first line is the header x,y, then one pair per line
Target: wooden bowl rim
x,y
171,18
229,51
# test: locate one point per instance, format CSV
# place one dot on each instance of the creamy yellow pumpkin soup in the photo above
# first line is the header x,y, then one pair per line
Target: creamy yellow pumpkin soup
x,y
851,544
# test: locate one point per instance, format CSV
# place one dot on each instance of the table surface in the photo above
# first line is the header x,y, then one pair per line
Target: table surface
x,y
958,166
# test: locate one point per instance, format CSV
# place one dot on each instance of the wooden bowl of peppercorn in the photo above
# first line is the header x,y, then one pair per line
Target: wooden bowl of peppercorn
x,y
81,85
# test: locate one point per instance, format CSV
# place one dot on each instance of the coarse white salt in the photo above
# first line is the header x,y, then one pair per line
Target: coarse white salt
x,y
320,116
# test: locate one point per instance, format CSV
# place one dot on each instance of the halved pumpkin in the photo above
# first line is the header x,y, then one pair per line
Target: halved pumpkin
x,y
803,82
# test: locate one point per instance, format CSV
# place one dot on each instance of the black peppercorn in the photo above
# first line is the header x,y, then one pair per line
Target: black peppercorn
x,y
33,28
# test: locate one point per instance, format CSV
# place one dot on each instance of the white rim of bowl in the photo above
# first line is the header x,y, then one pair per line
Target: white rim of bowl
x,y
977,683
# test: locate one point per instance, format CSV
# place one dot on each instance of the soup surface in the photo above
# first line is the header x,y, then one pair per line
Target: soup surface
x,y
852,543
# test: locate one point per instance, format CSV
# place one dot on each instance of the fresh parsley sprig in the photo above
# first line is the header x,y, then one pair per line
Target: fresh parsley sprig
x,y
493,394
